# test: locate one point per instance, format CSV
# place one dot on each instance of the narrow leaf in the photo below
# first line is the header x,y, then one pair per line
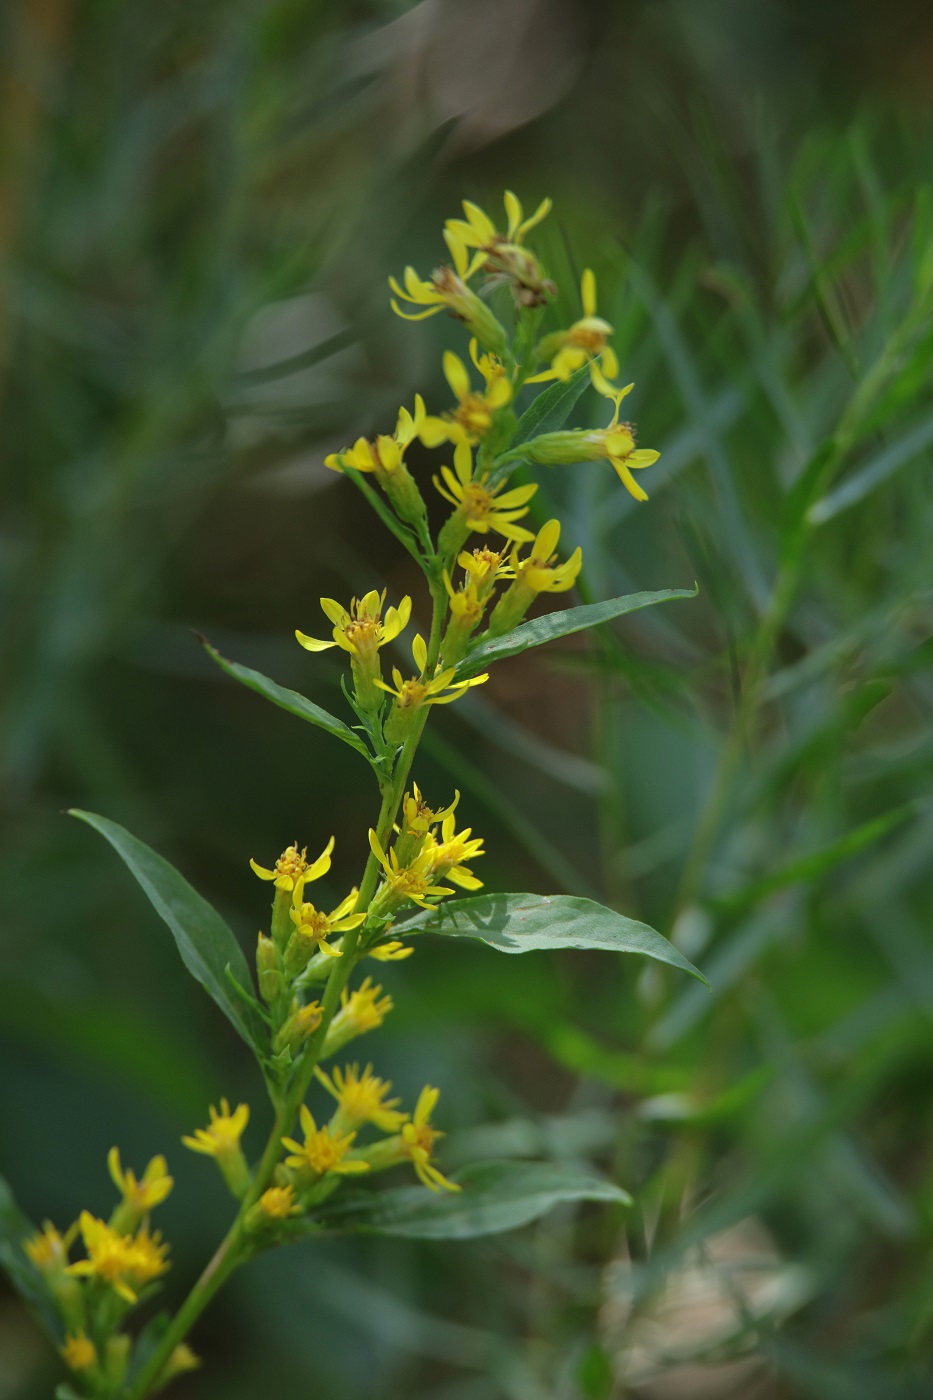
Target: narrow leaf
x,y
15,1228
549,411
875,472
206,944
562,624
494,1196
525,923
817,863
289,700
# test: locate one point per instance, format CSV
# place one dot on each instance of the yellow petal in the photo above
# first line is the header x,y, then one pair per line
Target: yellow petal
x,y
311,644
334,611
463,463
513,210
610,362
628,481
456,375
547,540
419,651
588,292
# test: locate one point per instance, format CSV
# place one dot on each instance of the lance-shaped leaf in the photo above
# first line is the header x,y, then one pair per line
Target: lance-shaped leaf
x,y
494,1196
15,1229
289,700
549,411
205,942
525,923
561,624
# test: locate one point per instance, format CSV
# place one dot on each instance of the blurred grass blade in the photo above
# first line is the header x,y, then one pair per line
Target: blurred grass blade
x,y
810,867
525,923
881,467
562,624
204,941
494,1197
15,1227
289,700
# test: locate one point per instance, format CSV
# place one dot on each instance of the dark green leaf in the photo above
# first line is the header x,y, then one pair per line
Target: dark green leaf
x,y
562,624
25,1278
525,923
204,941
550,410
494,1196
289,700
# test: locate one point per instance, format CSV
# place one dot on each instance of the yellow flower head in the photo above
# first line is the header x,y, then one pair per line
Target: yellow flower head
x,y
125,1262
362,1010
221,1138
484,567
417,816
360,629
393,951
473,417
144,1195
501,255
618,440
448,856
322,1150
313,927
293,870
585,340
412,881
279,1202
384,455
477,230
538,572
418,1139
484,508
79,1352
411,695
183,1358
47,1249
362,1098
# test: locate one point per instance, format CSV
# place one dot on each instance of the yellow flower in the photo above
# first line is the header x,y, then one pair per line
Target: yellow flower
x,y
449,855
473,417
418,817
47,1249
418,1139
479,507
412,695
360,629
536,574
585,340
447,290
313,928
393,951
125,1262
484,567
292,870
477,230
144,1195
302,1022
182,1359
278,1203
223,1133
361,1011
322,1150
384,455
412,881
616,442
361,1098
79,1352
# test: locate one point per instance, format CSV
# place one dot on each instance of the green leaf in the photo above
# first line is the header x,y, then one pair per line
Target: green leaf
x,y
525,923
562,624
204,941
549,411
494,1196
15,1227
289,700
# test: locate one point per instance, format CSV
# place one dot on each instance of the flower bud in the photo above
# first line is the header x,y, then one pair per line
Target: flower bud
x,y
268,969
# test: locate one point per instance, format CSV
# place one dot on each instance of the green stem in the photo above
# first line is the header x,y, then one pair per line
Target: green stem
x,y
230,1252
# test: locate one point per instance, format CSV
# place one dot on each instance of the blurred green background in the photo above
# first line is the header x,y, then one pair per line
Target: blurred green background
x,y
199,205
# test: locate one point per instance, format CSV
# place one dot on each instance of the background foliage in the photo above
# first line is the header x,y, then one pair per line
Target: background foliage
x,y
199,209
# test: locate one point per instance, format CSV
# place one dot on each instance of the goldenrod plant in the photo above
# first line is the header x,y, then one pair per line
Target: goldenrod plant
x,y
321,965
